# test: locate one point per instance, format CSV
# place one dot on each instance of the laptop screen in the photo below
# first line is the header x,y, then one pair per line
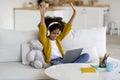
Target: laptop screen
x,y
72,55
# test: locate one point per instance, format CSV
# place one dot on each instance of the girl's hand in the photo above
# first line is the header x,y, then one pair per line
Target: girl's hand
x,y
43,8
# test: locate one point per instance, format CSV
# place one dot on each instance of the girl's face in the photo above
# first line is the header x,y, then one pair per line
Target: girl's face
x,y
54,34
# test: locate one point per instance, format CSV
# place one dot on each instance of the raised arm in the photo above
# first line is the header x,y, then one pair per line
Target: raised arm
x,y
42,27
73,15
42,12
68,26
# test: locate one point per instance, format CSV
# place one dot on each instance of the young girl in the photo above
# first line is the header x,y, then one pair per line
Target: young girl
x,y
53,50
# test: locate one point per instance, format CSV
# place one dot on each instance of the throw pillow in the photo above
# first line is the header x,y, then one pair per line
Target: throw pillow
x,y
25,51
92,51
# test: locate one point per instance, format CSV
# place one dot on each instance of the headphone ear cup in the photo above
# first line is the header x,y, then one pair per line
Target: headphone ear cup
x,y
60,32
48,33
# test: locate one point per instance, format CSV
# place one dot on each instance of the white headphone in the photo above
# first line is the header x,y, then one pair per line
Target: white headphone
x,y
48,32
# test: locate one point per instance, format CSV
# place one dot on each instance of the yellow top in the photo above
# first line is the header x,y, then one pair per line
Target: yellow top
x,y
46,41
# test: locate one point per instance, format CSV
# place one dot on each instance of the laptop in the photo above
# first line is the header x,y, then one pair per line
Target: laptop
x,y
72,55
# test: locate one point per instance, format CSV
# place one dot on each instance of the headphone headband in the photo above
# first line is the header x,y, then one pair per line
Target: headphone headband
x,y
53,24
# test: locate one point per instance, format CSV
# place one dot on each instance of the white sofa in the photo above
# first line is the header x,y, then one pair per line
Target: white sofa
x,y
13,50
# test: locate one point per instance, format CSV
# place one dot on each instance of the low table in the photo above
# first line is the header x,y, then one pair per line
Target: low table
x,y
72,71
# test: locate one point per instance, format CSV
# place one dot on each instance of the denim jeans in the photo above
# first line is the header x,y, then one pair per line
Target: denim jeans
x,y
56,61
81,59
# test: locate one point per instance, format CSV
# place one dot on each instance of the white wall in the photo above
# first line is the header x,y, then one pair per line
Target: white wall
x,y
114,8
6,11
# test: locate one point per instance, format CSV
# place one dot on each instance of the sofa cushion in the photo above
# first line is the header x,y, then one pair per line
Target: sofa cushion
x,y
10,43
17,37
9,53
86,38
18,71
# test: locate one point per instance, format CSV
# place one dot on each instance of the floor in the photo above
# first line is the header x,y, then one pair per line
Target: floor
x,y
113,45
